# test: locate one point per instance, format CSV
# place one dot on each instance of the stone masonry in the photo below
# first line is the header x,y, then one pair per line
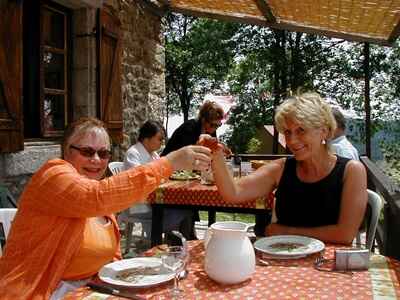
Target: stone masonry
x,y
143,84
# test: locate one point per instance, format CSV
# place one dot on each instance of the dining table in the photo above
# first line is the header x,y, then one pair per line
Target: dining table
x,y
192,194
276,279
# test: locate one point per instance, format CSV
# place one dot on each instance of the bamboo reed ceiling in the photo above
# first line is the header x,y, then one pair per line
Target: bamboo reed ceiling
x,y
355,20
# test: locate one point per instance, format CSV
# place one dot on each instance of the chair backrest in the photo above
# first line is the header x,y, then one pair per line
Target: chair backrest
x,y
6,199
6,217
116,167
375,202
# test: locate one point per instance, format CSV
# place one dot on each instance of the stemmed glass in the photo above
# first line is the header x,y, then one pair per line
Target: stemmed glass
x,y
174,258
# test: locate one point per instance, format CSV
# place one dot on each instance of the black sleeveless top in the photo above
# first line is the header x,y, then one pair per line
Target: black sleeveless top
x,y
301,204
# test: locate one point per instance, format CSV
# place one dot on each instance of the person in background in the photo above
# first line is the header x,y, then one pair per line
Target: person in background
x,y
318,194
339,143
151,136
64,230
209,119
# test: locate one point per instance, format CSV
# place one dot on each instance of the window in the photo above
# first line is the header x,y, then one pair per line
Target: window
x,y
36,69
47,58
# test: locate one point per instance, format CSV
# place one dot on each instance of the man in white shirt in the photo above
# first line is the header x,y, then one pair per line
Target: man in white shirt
x,y
151,136
340,144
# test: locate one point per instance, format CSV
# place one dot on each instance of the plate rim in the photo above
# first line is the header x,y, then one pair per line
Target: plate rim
x,y
128,284
305,253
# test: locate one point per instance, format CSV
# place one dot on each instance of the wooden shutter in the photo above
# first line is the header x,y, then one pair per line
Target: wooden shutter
x,y
11,124
110,73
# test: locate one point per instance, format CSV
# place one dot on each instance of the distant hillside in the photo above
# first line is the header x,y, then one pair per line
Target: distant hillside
x,y
389,133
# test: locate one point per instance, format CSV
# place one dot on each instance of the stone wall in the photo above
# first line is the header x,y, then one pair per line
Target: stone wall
x,y
143,62
17,168
143,85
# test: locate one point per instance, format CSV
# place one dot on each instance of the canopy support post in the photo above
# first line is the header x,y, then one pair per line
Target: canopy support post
x,y
367,102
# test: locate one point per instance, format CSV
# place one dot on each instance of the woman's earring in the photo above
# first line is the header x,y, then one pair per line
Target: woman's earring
x,y
323,142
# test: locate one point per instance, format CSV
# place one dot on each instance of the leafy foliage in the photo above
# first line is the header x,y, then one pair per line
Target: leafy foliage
x,y
252,111
253,145
192,66
260,67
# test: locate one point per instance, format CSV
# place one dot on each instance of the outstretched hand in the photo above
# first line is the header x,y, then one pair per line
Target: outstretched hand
x,y
190,158
227,151
210,142
213,144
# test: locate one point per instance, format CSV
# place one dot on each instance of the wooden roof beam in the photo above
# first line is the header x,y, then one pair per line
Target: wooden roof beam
x,y
253,20
152,7
333,34
395,33
264,7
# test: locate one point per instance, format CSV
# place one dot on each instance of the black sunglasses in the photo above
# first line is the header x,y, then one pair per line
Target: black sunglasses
x,y
90,152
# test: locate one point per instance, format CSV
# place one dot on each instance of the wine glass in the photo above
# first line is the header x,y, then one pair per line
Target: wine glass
x,y
174,259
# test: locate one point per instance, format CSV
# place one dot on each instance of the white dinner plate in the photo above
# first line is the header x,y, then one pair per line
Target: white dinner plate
x,y
289,246
110,272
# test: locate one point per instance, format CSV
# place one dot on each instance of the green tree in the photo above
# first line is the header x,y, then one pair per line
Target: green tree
x,y
252,110
269,64
199,53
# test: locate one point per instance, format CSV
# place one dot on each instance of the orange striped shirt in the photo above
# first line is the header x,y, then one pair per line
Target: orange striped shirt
x,y
48,228
98,248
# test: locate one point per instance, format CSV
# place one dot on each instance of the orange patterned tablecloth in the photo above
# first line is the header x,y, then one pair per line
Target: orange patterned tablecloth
x,y
191,194
288,279
194,193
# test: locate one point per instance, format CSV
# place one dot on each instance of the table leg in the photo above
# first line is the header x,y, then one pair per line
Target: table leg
x,y
262,220
156,225
211,216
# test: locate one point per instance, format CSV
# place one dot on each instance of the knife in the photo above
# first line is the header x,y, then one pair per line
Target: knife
x,y
112,291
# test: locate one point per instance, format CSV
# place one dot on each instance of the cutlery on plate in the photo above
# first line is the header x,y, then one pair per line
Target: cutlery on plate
x,y
183,274
105,289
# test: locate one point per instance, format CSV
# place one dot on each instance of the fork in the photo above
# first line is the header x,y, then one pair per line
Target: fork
x,y
320,260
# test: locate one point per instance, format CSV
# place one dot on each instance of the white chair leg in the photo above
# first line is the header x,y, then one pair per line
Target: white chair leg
x,y
146,229
358,240
128,236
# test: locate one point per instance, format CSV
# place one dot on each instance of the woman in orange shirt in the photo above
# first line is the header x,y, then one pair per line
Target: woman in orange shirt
x,y
64,230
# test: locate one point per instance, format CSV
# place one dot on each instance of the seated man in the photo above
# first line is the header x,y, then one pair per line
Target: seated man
x,y
340,144
151,136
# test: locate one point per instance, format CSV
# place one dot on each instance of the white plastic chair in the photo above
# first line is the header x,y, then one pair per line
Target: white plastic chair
x,y
375,203
128,217
116,167
6,217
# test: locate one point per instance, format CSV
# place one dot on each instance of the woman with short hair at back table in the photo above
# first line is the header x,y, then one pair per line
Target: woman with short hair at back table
x,y
318,194
209,119
64,230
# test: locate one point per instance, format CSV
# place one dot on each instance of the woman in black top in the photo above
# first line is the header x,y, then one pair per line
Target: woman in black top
x,y
209,119
318,194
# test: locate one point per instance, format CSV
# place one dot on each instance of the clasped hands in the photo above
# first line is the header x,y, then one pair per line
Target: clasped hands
x,y
196,157
213,144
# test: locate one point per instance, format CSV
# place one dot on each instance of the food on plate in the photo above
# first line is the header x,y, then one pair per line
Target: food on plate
x,y
280,246
184,175
136,273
